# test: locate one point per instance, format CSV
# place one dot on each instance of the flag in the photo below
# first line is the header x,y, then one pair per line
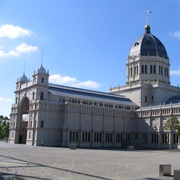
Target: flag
x,y
148,11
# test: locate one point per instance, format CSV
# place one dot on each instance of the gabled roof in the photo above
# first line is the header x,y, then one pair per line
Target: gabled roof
x,y
78,93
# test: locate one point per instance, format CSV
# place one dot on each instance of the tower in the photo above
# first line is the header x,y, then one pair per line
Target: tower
x,y
147,61
147,69
30,97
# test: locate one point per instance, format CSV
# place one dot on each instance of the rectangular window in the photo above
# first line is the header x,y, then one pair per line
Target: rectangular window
x,y
118,137
86,136
165,138
108,137
97,137
145,99
73,136
154,138
42,124
152,99
175,138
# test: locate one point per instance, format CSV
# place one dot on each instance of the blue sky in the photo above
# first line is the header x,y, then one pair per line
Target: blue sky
x,y
85,43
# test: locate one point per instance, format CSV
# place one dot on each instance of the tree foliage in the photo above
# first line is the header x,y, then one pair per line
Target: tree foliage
x,y
4,127
172,124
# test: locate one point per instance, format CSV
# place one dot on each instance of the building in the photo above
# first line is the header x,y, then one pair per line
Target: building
x,y
133,114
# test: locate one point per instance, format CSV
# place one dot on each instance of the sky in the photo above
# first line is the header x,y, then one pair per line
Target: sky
x,y
83,43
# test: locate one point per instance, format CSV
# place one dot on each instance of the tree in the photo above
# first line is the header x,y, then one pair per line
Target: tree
x,y
4,127
172,124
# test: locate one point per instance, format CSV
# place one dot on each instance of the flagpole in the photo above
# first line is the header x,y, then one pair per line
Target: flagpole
x,y
147,18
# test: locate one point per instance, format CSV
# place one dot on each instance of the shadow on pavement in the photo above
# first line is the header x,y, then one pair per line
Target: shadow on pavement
x,y
30,164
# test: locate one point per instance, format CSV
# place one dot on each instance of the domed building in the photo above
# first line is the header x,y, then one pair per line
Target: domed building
x,y
148,77
55,115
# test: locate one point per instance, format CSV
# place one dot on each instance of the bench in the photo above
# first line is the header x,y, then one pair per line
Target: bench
x,y
72,146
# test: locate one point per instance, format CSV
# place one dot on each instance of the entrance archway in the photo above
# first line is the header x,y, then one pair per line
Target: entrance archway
x,y
24,117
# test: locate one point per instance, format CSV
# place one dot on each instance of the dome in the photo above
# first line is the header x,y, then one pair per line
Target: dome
x,y
148,45
24,78
41,70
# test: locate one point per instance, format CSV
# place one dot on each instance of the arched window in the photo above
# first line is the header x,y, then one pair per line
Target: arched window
x,y
151,69
131,71
137,70
42,80
41,96
142,69
154,69
33,95
145,69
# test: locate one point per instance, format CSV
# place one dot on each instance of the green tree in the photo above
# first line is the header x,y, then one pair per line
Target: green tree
x,y
4,127
172,124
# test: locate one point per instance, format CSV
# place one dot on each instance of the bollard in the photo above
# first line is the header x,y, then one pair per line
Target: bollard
x,y
165,170
176,174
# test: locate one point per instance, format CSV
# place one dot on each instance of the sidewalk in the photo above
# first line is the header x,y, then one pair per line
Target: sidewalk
x,y
48,163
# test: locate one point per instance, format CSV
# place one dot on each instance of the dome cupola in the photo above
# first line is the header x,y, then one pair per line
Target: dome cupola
x,y
147,61
41,70
148,45
23,78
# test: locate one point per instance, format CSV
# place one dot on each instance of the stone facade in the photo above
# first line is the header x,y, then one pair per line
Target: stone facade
x,y
134,114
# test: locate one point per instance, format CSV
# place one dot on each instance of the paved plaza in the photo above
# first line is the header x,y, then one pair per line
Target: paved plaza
x,y
30,162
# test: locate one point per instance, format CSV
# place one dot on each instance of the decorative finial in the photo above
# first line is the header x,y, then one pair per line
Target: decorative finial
x,y
147,28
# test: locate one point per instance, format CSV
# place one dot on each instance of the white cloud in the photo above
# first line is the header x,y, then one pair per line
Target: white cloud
x,y
20,49
58,79
5,99
71,81
176,34
175,72
13,32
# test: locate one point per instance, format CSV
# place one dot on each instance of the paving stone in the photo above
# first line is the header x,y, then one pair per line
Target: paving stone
x,y
32,162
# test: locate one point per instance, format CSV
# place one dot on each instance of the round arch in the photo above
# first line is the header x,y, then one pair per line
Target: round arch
x,y
24,117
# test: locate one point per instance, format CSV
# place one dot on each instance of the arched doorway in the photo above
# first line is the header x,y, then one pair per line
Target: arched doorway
x,y
24,117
